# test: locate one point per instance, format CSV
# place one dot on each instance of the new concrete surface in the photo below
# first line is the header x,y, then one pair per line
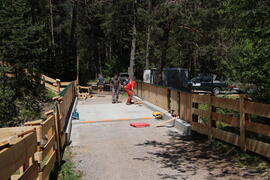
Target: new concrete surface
x,y
116,151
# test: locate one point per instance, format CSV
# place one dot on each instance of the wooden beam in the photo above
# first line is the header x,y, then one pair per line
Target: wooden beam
x,y
225,103
46,149
46,125
200,112
31,173
257,109
200,128
226,136
14,157
228,119
48,166
197,98
258,128
258,147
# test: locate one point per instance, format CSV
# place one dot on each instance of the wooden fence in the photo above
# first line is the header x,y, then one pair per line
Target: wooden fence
x,y
54,85
228,120
31,152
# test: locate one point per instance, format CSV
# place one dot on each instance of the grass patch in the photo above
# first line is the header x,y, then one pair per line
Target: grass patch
x,y
50,94
67,171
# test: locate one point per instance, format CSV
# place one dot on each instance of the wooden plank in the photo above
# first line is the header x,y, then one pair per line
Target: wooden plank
x,y
33,123
46,149
51,87
31,173
197,98
200,128
46,78
200,112
258,147
225,103
48,113
14,157
258,128
46,125
3,143
228,119
257,109
7,133
49,166
226,136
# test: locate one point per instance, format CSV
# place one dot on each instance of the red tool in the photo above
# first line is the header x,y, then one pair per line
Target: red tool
x,y
139,125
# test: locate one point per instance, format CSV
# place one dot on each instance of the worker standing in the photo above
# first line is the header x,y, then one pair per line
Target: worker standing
x,y
115,86
100,84
129,90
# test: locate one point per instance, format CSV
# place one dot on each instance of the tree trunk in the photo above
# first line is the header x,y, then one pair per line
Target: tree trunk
x,y
133,43
73,37
164,48
99,60
148,38
51,27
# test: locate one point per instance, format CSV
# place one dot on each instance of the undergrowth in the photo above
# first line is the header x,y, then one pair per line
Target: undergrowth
x,y
67,170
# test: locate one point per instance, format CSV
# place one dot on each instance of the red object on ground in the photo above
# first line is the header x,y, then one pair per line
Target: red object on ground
x,y
138,125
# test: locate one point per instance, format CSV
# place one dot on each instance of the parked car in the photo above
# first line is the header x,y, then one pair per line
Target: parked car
x,y
206,82
123,78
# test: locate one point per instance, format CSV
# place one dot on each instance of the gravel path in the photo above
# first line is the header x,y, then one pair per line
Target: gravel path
x,y
115,151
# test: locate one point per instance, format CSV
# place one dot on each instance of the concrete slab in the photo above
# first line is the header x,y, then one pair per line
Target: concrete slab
x,y
101,108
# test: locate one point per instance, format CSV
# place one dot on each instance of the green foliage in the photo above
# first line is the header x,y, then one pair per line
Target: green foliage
x,y
23,47
68,171
8,109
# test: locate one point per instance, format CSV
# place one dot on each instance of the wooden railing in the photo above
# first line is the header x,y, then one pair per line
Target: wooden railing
x,y
228,120
31,152
54,85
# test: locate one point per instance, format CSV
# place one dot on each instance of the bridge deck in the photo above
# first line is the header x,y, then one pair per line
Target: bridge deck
x,y
113,150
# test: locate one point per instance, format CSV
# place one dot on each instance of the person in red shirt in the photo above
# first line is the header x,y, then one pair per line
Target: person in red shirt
x,y
129,90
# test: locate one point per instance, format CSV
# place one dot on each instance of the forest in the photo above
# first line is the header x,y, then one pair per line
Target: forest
x,y
60,38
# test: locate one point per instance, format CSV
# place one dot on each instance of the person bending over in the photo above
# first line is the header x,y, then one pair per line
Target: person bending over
x,y
129,90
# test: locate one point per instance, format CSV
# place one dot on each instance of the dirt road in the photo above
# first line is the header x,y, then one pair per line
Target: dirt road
x,y
115,151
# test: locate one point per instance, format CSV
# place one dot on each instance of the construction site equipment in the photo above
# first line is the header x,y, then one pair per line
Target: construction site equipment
x,y
158,115
165,122
139,125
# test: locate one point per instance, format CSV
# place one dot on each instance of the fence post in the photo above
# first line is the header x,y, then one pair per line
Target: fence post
x,y
169,99
242,123
43,80
58,82
56,118
189,106
210,110
178,103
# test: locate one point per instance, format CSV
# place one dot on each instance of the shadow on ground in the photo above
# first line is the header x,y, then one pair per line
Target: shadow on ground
x,y
194,156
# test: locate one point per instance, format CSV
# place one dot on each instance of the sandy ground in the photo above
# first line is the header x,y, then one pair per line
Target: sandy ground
x,y
116,151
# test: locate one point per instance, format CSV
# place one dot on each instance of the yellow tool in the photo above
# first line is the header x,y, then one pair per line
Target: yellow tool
x,y
158,115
